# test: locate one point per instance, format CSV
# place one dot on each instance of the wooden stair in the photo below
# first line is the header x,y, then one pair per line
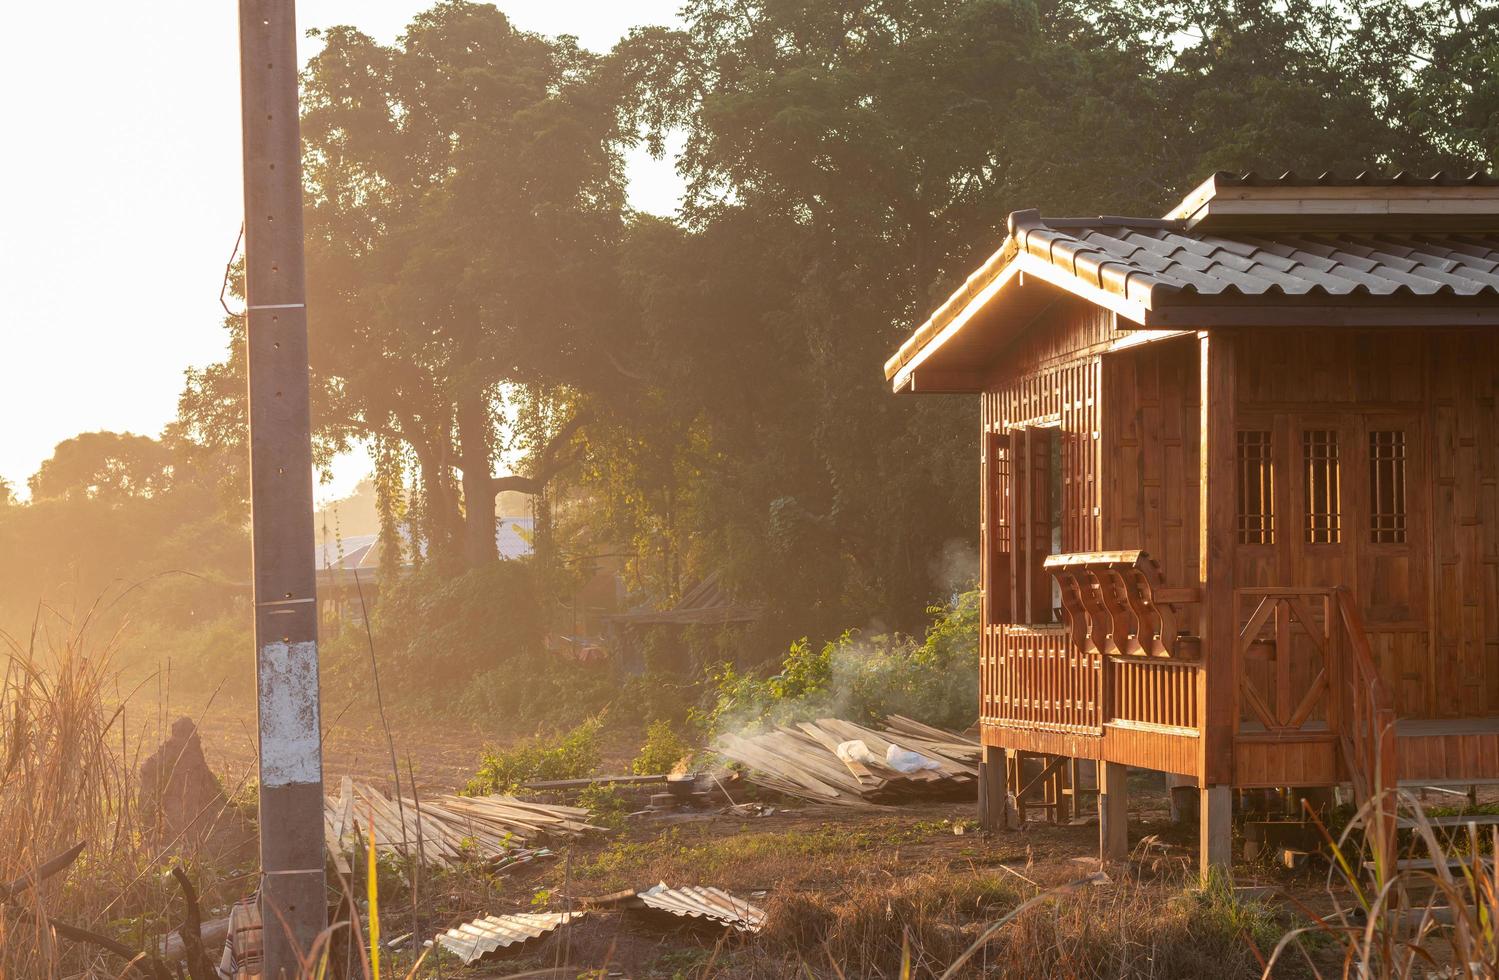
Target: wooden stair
x,y
1453,820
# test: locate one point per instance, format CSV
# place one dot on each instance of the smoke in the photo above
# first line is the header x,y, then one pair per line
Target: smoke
x,y
866,676
956,568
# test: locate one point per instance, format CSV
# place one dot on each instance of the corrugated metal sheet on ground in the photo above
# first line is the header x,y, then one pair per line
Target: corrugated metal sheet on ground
x,y
705,903
474,940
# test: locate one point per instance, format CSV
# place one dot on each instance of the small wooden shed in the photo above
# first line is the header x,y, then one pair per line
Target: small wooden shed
x,y
1241,487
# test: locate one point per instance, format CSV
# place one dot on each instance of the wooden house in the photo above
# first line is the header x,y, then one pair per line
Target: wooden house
x,y
1240,517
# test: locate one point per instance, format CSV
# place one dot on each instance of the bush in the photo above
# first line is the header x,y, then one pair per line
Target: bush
x,y
863,678
538,689
570,756
662,751
437,625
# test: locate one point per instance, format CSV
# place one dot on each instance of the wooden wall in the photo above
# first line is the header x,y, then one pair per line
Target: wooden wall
x,y
1128,422
1052,373
1463,381
1150,447
1432,603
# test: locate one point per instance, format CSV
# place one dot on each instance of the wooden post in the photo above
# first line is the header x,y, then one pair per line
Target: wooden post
x,y
1218,679
993,790
293,899
1113,812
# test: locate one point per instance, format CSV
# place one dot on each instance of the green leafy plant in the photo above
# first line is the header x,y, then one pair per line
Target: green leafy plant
x,y
861,677
568,756
663,750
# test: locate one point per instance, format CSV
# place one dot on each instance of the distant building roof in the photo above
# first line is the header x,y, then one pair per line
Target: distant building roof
x,y
705,603
513,537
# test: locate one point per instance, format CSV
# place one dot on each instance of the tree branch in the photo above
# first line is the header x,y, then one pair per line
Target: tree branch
x,y
549,462
199,966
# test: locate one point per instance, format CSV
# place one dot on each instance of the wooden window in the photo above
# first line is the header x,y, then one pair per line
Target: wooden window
x,y
999,461
1319,455
1256,488
1387,486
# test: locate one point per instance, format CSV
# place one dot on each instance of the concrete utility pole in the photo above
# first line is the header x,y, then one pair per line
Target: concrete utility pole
x,y
293,901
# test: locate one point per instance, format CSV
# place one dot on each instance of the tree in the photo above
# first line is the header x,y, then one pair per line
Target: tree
x,y
847,164
108,466
465,195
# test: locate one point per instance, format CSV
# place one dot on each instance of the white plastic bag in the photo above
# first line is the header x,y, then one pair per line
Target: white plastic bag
x,y
856,751
904,760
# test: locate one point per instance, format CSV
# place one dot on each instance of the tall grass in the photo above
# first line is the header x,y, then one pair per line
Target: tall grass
x,y
1389,923
65,779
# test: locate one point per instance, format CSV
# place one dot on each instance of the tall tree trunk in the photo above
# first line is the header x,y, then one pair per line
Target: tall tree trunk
x,y
479,525
443,520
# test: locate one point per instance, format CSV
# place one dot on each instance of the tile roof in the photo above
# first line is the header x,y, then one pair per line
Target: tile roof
x,y
1239,249
1152,260
1366,179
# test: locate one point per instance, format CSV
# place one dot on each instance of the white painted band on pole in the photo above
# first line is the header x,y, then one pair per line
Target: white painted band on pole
x,y
281,306
293,871
283,602
290,744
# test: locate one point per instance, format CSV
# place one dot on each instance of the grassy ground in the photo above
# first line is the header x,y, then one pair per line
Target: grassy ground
x,y
847,892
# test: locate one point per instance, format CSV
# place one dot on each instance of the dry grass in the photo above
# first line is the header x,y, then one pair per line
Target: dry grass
x,y
66,780
851,898
1399,923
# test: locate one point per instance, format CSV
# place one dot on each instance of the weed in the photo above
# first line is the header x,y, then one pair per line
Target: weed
x,y
662,752
860,677
569,756
606,803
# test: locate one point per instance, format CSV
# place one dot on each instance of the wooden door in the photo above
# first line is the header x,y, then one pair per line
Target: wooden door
x,y
1392,528
1319,543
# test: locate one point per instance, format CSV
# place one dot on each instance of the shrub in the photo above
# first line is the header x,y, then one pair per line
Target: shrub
x,y
536,689
570,756
453,627
662,751
862,678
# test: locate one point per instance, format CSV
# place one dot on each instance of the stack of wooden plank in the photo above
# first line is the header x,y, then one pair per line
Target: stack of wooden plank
x,y
803,761
447,830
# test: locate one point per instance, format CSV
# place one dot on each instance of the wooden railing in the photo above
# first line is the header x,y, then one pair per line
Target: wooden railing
x,y
1152,694
1366,727
1035,677
1284,659
1118,658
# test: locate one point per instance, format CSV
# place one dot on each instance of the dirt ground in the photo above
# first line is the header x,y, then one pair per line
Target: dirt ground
x,y
845,889
442,753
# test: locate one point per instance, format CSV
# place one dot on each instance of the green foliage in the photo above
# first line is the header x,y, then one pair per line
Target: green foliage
x,y
121,528
568,756
607,804
662,751
863,678
539,689
108,465
446,627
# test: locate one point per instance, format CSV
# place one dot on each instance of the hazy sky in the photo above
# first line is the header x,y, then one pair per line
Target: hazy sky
x,y
121,175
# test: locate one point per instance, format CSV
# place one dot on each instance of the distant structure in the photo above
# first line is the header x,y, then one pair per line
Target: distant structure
x,y
1241,492
339,559
707,605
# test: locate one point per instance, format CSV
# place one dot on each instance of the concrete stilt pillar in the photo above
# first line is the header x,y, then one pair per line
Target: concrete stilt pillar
x,y
1113,811
1215,818
1183,793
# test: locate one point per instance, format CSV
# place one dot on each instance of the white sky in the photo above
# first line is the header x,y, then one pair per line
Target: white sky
x,y
121,176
